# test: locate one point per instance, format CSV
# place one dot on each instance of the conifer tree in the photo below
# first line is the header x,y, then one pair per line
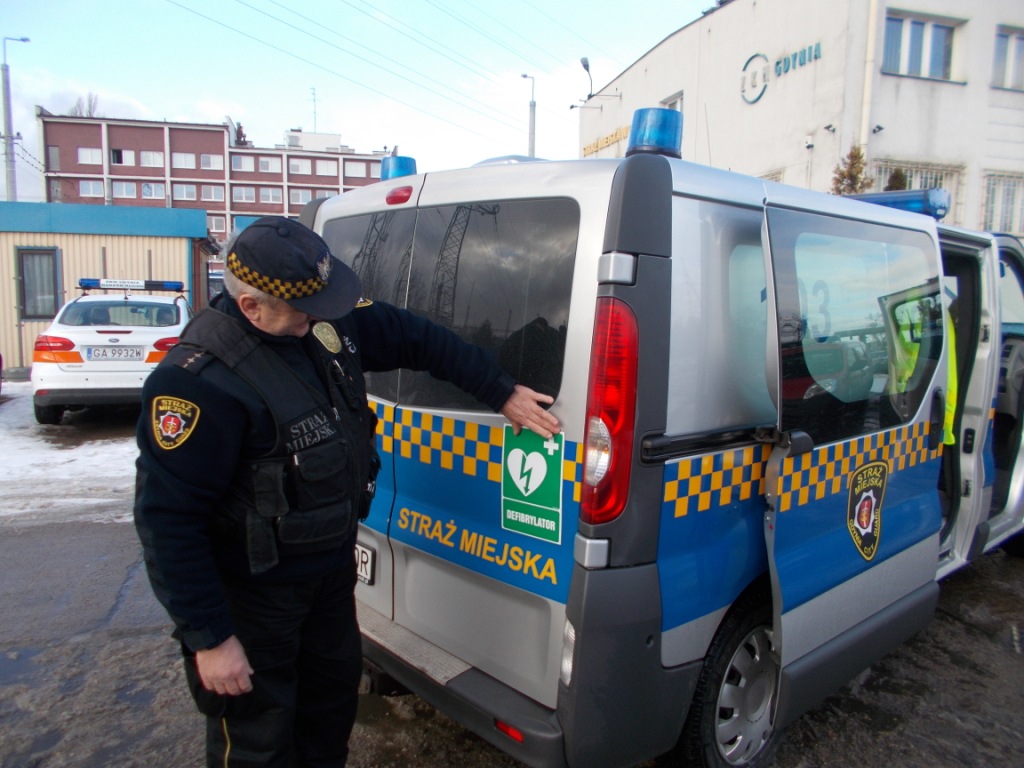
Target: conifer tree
x,y
850,175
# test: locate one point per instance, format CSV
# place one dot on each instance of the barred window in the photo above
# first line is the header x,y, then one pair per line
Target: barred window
x,y
1004,203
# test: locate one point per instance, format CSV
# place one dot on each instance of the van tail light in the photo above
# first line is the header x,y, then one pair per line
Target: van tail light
x,y
611,413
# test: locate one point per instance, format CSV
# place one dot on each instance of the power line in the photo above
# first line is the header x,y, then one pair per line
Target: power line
x,y
347,51
399,75
295,56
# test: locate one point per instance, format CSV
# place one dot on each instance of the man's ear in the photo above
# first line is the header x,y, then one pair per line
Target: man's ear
x,y
250,306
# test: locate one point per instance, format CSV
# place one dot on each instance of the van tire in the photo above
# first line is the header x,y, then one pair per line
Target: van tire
x,y
741,660
49,414
1014,545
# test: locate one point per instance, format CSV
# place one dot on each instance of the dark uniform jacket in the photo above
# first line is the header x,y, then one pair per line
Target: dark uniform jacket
x,y
184,481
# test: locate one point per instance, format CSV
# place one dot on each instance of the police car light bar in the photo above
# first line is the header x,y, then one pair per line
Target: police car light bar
x,y
931,202
656,131
395,166
137,285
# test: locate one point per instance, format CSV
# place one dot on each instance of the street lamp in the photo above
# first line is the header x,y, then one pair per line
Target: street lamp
x,y
12,188
586,65
533,117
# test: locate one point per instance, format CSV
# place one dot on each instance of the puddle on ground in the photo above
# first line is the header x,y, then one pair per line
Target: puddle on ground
x,y
17,665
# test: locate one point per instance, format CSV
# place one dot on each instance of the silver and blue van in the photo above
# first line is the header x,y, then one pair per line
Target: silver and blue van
x,y
758,484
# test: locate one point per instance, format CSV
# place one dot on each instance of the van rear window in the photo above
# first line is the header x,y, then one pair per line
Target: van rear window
x,y
497,273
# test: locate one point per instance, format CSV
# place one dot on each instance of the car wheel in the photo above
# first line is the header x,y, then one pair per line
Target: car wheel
x,y
49,414
731,718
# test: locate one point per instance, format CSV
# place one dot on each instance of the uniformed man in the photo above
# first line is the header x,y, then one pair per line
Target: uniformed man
x,y
256,463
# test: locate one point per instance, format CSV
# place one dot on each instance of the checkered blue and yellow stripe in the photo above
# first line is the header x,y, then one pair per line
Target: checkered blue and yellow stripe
x,y
459,446
714,480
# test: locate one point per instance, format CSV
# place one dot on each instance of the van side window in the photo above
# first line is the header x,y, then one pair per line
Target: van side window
x,y
860,323
1011,296
719,320
497,273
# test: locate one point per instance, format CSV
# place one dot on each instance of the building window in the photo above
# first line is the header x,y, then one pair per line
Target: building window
x,y
355,169
918,47
242,163
122,157
213,193
327,168
324,193
90,188
243,194
674,102
183,191
1008,65
270,195
150,159
183,160
270,165
38,269
300,196
1004,203
153,191
90,156
300,165
924,176
215,223
123,189
211,162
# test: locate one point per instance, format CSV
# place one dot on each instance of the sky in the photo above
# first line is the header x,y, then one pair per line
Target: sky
x,y
440,79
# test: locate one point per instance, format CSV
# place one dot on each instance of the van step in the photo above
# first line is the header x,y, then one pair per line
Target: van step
x,y
432,661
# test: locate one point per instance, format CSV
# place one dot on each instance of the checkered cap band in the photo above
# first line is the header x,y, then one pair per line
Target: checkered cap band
x,y
282,289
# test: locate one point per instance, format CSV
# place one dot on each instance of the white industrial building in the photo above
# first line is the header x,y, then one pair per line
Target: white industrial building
x,y
782,89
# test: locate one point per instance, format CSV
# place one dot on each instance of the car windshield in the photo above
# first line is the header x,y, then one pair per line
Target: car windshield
x,y
125,313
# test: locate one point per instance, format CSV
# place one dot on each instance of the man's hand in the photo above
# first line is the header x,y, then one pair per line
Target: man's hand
x,y
225,669
522,409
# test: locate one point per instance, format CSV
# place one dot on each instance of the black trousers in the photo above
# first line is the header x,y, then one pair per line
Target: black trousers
x,y
303,642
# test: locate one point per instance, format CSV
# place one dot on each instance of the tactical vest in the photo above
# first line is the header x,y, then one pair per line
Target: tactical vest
x,y
309,491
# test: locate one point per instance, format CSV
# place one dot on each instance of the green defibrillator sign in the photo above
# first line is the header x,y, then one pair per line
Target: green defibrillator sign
x,y
531,485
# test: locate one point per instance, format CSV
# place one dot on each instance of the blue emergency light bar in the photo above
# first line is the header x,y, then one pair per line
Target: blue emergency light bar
x,y
656,131
136,285
395,166
931,202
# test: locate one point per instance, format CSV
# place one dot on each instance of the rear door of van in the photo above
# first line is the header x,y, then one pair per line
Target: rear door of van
x,y
477,540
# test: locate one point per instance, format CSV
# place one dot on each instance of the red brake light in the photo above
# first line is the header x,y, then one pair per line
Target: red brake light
x,y
164,345
611,413
46,343
398,195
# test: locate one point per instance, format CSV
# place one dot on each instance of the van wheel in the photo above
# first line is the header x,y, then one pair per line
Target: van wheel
x,y
1015,545
49,414
730,722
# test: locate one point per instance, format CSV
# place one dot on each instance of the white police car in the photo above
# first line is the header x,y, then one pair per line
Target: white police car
x,y
100,348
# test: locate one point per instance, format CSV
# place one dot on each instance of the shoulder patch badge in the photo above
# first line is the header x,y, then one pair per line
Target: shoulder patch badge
x,y
864,509
364,302
173,420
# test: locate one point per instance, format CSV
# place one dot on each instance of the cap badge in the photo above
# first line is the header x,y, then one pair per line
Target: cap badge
x,y
323,268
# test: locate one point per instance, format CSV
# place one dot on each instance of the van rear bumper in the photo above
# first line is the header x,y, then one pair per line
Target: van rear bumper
x,y
474,699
